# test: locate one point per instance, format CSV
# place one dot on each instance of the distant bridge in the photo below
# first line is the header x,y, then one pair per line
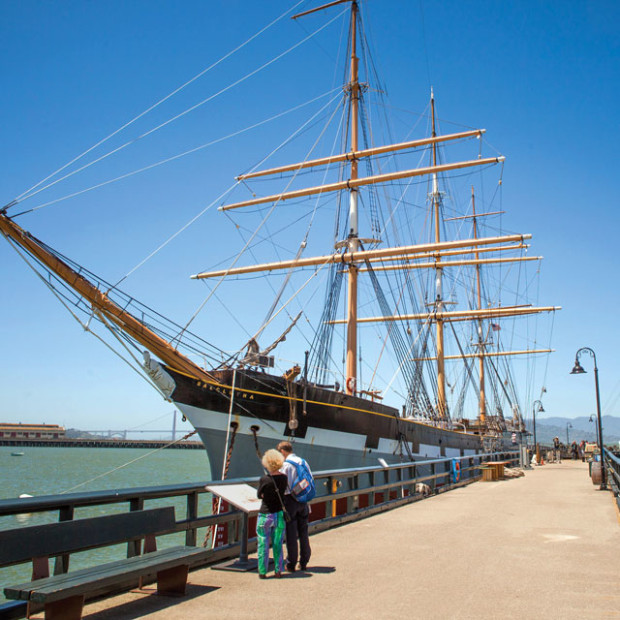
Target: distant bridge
x,y
123,433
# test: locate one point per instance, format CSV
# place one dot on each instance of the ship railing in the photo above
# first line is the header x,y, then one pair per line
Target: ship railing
x,y
343,496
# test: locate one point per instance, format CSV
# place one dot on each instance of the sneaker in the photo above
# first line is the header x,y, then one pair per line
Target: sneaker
x,y
290,568
302,566
277,575
261,576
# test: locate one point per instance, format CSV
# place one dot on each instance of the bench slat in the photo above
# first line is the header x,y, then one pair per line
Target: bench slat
x,y
82,581
53,539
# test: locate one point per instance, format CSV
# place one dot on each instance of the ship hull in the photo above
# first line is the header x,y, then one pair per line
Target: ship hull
x,y
333,430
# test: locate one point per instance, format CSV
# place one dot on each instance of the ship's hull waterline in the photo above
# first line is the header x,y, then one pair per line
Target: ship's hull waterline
x,y
337,431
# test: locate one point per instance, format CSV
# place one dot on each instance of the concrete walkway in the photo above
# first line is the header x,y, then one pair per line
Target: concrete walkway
x,y
543,546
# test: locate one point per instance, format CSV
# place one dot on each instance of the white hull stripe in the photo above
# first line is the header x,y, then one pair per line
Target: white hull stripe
x,y
206,419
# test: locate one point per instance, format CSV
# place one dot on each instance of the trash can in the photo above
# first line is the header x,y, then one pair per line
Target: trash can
x,y
596,472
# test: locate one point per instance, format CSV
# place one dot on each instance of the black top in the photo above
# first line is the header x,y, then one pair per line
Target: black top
x,y
267,492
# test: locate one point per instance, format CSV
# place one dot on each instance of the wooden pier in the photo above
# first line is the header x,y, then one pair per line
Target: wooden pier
x,y
544,545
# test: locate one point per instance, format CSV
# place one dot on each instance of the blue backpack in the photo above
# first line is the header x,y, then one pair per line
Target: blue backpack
x,y
303,489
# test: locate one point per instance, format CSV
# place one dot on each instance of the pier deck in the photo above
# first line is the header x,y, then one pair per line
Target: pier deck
x,y
545,545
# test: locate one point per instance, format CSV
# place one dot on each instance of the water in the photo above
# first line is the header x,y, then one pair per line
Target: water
x,y
49,471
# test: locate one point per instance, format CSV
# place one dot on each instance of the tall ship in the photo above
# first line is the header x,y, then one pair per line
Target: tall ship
x,y
376,338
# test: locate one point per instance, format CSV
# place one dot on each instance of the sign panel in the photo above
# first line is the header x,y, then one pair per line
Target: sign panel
x,y
241,496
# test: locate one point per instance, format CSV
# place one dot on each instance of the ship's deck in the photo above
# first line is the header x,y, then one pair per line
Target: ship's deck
x,y
545,545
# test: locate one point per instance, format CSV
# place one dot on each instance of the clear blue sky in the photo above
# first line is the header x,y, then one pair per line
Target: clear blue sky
x,y
542,78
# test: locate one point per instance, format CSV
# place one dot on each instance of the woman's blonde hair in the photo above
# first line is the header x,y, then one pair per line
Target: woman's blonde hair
x,y
272,460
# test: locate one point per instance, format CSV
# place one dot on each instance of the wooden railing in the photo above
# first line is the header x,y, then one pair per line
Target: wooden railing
x,y
612,464
342,496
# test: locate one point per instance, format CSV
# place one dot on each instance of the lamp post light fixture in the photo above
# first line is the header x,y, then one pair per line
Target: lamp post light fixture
x,y
578,370
541,409
593,419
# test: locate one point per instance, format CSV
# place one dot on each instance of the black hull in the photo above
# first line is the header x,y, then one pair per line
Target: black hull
x,y
336,431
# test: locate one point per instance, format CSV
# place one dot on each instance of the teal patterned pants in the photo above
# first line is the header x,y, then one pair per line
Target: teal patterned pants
x,y
270,525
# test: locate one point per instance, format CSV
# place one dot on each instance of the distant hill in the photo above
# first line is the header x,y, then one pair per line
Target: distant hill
x,y
582,428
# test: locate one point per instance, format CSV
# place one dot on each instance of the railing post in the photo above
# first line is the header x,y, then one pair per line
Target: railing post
x,y
353,501
191,514
386,480
372,495
133,547
61,564
236,536
333,489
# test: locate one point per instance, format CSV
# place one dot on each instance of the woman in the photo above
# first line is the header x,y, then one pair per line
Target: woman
x,y
270,522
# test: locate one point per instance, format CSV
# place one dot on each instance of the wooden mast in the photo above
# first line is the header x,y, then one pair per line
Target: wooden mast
x,y
102,303
481,348
354,93
436,198
351,184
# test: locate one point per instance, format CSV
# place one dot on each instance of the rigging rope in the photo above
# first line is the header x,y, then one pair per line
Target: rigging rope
x,y
216,503
139,458
86,327
247,244
26,194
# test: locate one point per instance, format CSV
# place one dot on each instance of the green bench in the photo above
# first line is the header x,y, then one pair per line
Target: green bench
x,y
62,595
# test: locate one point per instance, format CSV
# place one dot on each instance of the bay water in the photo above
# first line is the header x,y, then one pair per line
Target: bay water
x,y
49,471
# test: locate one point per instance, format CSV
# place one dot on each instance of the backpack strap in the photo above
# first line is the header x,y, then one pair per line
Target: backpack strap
x,y
297,472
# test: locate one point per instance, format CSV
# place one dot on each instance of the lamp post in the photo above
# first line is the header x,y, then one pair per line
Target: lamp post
x,y
578,370
541,409
593,419
568,425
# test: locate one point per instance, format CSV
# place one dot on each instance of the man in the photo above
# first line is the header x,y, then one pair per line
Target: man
x,y
557,456
297,526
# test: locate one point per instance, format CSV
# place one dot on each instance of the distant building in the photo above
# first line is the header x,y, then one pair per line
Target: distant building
x,y
31,431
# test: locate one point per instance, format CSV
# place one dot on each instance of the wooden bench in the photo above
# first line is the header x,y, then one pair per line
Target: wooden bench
x,y
62,595
498,466
493,470
488,474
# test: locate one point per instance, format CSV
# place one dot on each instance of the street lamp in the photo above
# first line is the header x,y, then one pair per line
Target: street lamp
x,y
578,370
541,409
593,419
568,425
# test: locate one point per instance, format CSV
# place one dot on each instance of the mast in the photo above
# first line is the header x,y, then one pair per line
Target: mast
x,y
353,238
481,399
101,303
436,200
